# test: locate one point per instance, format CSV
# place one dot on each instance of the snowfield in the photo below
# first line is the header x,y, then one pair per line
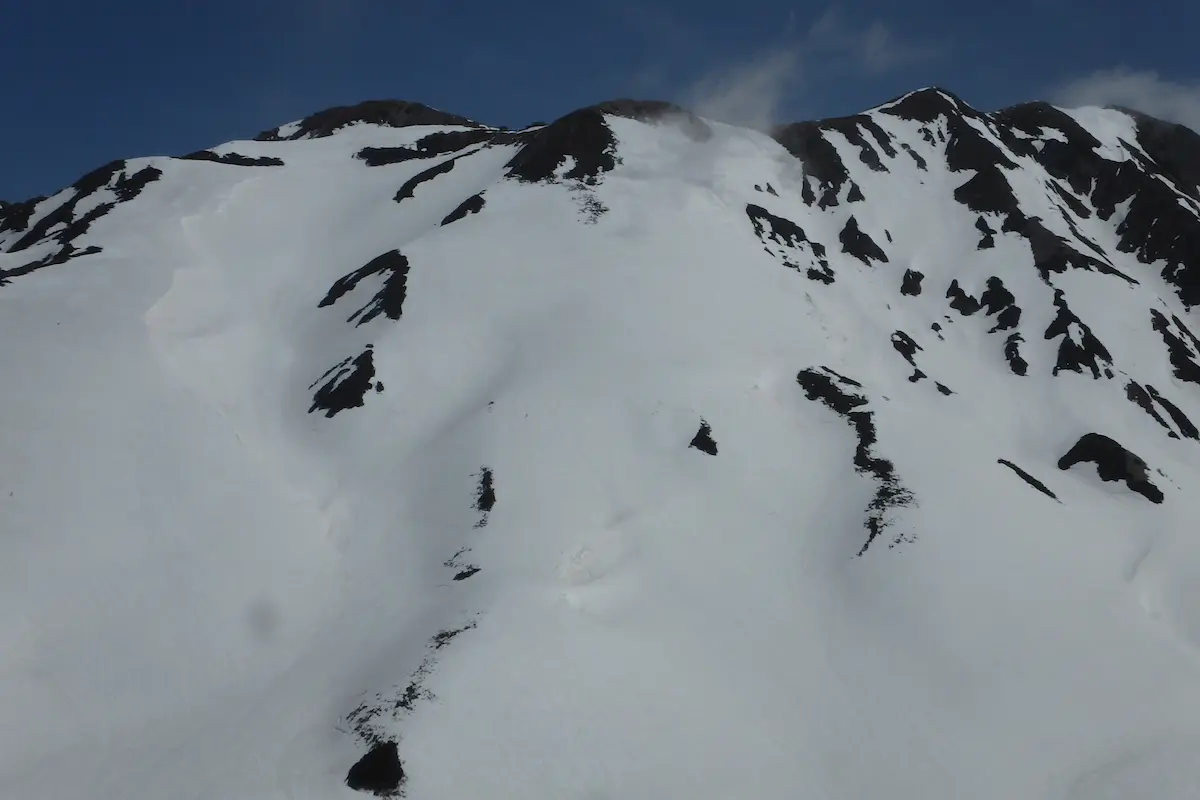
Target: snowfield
x,y
634,456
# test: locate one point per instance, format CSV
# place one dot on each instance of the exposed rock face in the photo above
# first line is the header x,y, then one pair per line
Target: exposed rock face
x,y
1113,463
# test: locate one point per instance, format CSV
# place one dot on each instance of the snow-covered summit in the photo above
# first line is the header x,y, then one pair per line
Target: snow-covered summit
x,y
633,455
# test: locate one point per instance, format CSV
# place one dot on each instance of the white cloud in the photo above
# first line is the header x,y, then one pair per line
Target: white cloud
x,y
748,93
1143,91
751,91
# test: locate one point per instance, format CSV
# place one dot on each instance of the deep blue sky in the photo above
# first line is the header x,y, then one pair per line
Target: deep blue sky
x,y
87,82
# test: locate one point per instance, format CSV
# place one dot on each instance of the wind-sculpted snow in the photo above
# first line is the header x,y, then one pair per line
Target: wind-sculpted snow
x,y
392,453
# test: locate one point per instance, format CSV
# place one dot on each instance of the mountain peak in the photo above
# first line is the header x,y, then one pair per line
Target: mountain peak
x,y
387,113
926,105
370,461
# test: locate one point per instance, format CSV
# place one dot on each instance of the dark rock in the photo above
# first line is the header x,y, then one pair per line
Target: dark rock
x,y
988,192
703,440
1138,394
777,229
346,384
943,389
911,285
890,494
996,298
389,300
582,135
391,113
820,159
485,496
1072,202
410,186
960,301
1012,354
989,236
842,379
1113,463
378,772
657,111
383,156
113,176
905,346
999,302
772,229
916,157
1052,254
1032,481
472,205
127,187
926,105
1075,355
14,217
855,130
1185,425
860,245
1174,148
431,146
233,159
1183,356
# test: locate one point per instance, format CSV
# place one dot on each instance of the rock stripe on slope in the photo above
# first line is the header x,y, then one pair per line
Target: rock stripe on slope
x,y
890,493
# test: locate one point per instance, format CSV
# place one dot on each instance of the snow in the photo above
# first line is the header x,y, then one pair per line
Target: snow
x,y
200,580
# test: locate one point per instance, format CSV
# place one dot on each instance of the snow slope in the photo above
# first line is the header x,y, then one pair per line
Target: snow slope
x,y
633,456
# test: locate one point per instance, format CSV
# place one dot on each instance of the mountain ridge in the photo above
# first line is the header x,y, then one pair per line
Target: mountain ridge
x,y
632,454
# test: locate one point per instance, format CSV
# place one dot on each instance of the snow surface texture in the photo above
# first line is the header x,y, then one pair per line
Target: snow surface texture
x,y
632,456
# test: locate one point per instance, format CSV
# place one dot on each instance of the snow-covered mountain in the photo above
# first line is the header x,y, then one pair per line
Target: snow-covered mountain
x,y
631,456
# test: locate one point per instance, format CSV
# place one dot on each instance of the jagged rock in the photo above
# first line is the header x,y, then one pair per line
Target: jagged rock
x,y
1113,463
378,772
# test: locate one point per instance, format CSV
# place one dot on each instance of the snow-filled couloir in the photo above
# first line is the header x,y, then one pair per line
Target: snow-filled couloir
x,y
631,456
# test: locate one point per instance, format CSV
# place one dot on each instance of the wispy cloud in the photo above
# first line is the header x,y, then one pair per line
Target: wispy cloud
x,y
752,90
747,93
1143,91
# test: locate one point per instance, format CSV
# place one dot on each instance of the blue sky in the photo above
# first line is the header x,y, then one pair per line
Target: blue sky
x,y
89,82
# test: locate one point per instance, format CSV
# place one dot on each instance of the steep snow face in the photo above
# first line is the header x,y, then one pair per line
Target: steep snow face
x,y
632,455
